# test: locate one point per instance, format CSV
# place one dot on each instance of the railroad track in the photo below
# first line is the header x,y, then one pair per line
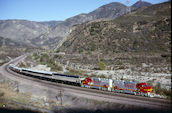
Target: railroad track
x,y
145,102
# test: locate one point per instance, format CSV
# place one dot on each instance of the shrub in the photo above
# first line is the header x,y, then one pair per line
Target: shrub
x,y
93,75
22,64
102,66
110,77
165,55
1,94
159,90
80,50
73,71
122,78
59,66
102,76
121,67
44,57
119,63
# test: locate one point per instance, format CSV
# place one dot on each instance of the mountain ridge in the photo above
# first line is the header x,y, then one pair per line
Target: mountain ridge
x,y
43,33
149,32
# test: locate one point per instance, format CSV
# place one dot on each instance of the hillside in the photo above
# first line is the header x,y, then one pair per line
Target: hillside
x,y
47,34
144,30
5,42
59,32
108,11
21,30
10,49
139,4
57,35
142,36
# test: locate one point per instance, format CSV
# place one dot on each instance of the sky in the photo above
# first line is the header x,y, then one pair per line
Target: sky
x,y
46,10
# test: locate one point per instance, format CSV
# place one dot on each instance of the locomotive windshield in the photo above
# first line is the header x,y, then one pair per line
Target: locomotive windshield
x,y
145,85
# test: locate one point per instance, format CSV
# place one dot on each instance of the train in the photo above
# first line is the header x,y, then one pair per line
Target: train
x,y
117,86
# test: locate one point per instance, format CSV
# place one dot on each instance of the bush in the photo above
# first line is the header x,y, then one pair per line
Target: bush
x,y
165,55
102,76
1,94
73,71
121,67
44,57
119,63
110,77
59,66
94,75
158,88
122,78
55,67
162,91
102,66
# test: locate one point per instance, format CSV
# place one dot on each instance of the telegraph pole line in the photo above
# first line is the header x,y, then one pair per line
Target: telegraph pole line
x,y
61,99
60,95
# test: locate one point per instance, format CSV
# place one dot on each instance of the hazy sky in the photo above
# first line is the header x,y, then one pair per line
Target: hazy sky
x,y
45,10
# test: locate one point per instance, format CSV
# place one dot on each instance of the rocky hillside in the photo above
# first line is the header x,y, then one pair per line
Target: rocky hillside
x,y
50,24
135,46
108,11
5,42
140,4
50,33
144,30
10,49
21,30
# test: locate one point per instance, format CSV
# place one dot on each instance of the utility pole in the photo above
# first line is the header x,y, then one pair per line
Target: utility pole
x,y
60,95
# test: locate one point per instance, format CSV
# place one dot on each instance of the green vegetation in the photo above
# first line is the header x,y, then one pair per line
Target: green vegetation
x,y
121,67
21,64
166,55
143,30
122,78
162,91
119,62
73,71
102,76
46,59
80,50
93,75
102,65
95,29
98,76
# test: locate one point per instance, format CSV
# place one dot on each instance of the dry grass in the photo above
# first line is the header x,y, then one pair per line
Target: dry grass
x,y
10,94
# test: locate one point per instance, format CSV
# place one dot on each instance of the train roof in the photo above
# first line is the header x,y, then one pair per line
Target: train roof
x,y
37,71
72,76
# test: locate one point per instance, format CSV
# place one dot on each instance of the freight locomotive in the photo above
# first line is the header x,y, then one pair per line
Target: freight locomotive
x,y
118,86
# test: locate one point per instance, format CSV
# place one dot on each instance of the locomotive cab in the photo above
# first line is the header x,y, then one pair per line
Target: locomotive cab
x,y
144,88
86,82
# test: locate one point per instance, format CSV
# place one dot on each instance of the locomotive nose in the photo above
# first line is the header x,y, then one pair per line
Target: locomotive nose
x,y
148,89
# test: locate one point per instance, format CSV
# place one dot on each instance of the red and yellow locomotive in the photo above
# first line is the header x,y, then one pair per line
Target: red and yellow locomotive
x,y
119,86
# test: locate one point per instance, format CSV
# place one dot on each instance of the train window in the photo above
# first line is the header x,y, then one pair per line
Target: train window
x,y
72,76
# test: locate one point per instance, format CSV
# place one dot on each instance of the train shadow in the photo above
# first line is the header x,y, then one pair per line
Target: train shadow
x,y
69,110
110,111
5,110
